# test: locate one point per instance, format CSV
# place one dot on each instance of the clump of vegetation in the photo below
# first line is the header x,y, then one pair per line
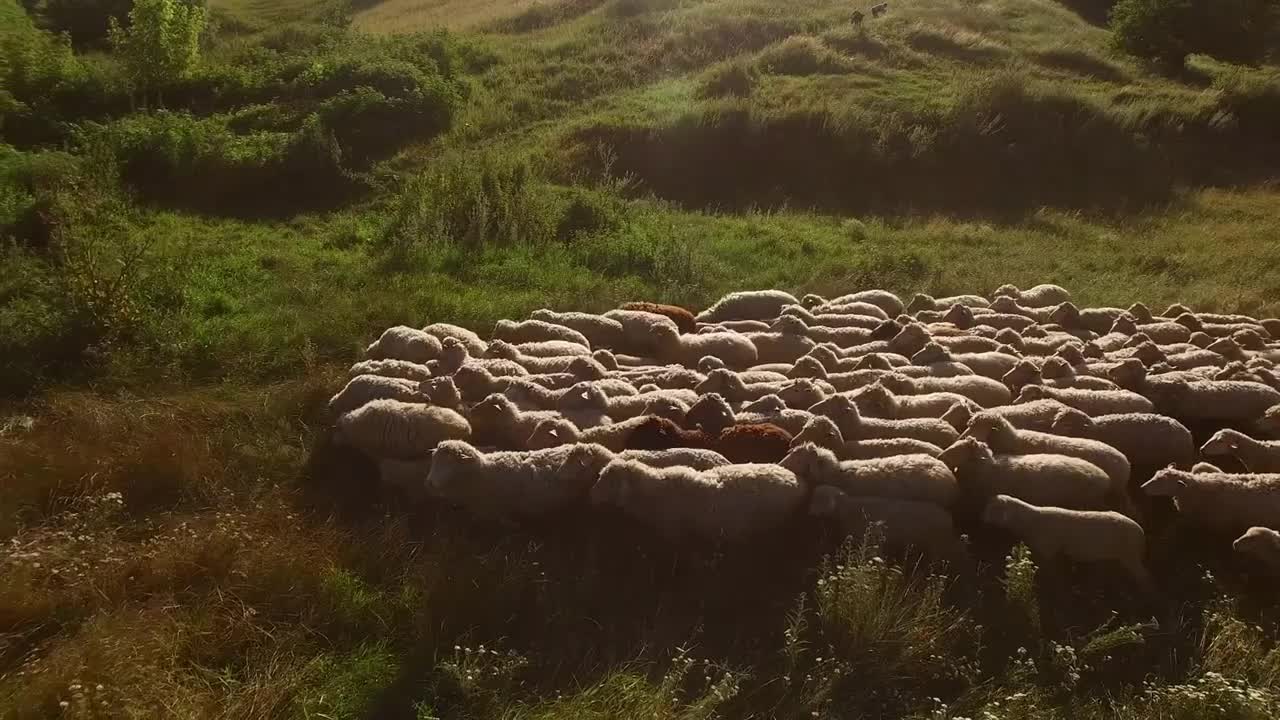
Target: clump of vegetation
x,y
1166,31
803,55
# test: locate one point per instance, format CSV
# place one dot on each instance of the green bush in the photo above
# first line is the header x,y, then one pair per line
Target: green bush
x,y
1166,31
369,125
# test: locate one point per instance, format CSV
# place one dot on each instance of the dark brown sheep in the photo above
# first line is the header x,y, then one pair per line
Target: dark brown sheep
x,y
748,443
661,434
753,443
683,319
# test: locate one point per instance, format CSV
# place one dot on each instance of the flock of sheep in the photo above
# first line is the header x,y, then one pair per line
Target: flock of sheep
x,y
1021,410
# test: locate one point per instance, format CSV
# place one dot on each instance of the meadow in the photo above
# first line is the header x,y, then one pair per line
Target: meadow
x,y
188,273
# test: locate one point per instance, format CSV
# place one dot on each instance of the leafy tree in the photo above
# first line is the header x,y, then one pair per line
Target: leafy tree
x,y
1166,31
161,44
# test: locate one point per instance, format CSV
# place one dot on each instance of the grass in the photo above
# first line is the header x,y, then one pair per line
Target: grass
x,y
181,540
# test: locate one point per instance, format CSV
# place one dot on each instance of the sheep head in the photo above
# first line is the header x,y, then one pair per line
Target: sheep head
x,y
474,381
1248,339
801,392
964,452
614,486
707,363
502,350
1125,325
582,466
495,408
592,368
874,361
1141,313
453,354
811,301
442,391
796,311
822,432
1189,321
1260,542
583,396
1031,393
552,432
766,404
724,382
1129,374
1167,483
840,409
932,352
887,329
959,315
1227,348
451,464
1201,339
875,400
666,407
920,301
1024,373
1071,352
959,415
1010,337
789,325
711,414
808,367
1175,310
1065,314
1071,423
808,460
1223,442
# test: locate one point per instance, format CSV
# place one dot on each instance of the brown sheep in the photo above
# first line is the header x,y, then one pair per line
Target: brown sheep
x,y
753,443
683,319
747,443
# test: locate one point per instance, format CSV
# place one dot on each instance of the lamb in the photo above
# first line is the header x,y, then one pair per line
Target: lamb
x,y
442,392
735,349
586,406
907,341
1256,455
365,388
398,430
600,331
903,523
920,301
732,502
995,364
1085,536
1003,438
798,393
498,420
853,426
528,331
876,400
1010,306
391,368
903,477
682,318
515,484
841,337
786,342
546,349
1262,544
642,332
1058,373
471,341
1220,501
1090,402
1147,440
741,326
1038,296
404,343
1215,400
964,318
841,381
1162,333
1040,479
748,305
821,431
528,395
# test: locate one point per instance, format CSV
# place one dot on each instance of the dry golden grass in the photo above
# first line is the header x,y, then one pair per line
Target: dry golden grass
x,y
404,16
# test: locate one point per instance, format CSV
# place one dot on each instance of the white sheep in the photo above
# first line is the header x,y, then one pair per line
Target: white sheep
x,y
965,318
400,430
902,523
753,375
694,458
1269,424
1085,536
921,301
529,395
1097,319
903,477
404,343
365,388
1042,295
1161,333
735,349
501,349
1262,544
1215,400
711,414
526,331
841,381
1038,415
1040,479
1221,501
821,431
1089,402
742,326
982,390
1146,439
642,332
514,484
785,342
547,349
1255,455
748,305
889,304
839,336
842,410
835,320
391,368
629,406
994,364
497,420
454,355
731,502
668,377
471,341
876,400
1003,438
1010,306
600,331
935,361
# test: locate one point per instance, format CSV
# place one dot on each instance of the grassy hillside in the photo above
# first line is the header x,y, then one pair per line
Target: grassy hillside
x,y
185,284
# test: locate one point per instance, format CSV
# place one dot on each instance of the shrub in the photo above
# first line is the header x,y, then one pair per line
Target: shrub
x,y
803,55
1166,31
369,125
161,43
730,79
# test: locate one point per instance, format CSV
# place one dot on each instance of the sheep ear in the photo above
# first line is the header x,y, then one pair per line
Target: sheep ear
x,y
1182,483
